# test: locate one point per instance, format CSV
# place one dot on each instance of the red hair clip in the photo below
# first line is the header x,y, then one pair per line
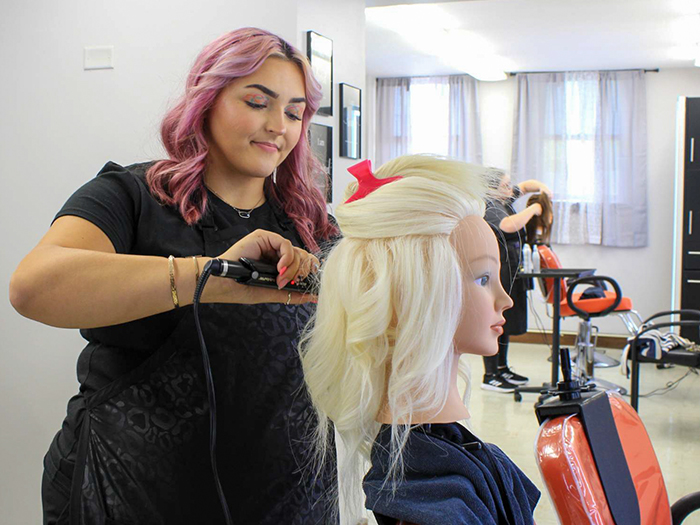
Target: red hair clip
x,y
366,180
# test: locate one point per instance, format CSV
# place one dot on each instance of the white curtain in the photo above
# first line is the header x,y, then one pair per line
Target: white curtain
x,y
393,118
465,128
584,135
438,115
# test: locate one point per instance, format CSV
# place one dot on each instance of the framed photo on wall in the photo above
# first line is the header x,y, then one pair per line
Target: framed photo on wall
x,y
319,50
350,121
321,140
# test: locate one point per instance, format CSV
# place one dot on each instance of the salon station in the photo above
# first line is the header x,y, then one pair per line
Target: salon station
x,y
585,116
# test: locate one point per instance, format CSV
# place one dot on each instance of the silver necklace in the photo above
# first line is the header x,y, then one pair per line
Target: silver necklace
x,y
243,214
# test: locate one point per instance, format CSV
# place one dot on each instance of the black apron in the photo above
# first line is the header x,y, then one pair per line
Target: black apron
x,y
143,446
510,253
511,257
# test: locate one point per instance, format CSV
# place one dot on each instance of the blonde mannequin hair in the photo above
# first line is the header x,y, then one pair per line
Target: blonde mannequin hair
x,y
388,308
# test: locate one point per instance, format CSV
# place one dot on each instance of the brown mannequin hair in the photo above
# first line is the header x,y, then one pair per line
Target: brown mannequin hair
x,y
543,222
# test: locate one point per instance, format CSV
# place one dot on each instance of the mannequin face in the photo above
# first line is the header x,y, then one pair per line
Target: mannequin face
x,y
483,298
256,120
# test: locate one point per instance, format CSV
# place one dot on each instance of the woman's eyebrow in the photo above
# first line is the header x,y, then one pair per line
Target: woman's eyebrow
x,y
274,95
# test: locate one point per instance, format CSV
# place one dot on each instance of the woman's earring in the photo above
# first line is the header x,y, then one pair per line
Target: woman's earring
x,y
274,176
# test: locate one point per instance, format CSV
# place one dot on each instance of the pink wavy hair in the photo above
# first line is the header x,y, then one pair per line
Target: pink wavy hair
x,y
179,180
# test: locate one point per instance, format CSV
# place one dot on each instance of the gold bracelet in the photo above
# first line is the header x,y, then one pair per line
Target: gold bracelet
x,y
173,288
196,271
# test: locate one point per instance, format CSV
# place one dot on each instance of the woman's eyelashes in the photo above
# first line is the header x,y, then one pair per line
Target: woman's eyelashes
x,y
294,112
257,101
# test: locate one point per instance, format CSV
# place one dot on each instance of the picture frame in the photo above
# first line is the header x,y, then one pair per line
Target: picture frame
x,y
321,142
350,121
319,50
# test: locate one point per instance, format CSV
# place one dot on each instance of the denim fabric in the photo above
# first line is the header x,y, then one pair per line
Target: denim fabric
x,y
450,477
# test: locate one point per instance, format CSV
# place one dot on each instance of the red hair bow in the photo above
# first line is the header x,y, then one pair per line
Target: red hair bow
x,y
367,182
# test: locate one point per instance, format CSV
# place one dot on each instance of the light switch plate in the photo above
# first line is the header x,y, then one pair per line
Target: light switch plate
x,y
98,57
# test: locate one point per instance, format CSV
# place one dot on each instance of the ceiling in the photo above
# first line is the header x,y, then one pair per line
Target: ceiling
x,y
535,35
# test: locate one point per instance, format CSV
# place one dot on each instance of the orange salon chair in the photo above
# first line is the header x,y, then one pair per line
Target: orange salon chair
x,y
593,302
598,463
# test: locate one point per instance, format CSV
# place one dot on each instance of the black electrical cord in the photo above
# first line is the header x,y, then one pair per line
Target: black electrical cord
x,y
244,271
206,272
538,321
671,385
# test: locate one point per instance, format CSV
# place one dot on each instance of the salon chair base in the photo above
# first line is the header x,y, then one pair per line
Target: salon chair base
x,y
602,384
601,360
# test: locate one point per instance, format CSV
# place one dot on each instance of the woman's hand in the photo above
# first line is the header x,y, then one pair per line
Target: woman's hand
x,y
535,186
291,262
87,284
536,208
516,222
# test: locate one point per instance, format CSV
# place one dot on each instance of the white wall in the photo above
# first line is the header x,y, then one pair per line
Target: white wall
x,y
643,273
60,124
344,23
370,118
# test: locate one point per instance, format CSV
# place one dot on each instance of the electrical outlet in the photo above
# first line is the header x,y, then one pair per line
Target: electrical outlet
x,y
98,57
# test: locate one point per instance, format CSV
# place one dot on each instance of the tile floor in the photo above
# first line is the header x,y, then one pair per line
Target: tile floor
x,y
672,420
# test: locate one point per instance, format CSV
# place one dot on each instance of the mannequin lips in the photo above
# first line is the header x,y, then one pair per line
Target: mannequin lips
x,y
498,327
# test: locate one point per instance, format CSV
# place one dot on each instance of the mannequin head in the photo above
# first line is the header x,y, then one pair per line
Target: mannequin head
x,y
484,299
392,301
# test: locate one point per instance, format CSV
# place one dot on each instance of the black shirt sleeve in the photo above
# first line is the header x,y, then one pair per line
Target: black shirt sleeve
x,y
110,201
517,193
495,213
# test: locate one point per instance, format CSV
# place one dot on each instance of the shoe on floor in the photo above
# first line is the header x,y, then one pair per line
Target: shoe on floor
x,y
497,383
510,376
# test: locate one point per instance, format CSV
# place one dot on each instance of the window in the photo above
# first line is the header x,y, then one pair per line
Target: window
x,y
584,135
572,141
430,126
581,117
438,115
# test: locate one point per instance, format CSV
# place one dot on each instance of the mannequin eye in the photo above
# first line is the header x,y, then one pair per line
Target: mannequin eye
x,y
483,280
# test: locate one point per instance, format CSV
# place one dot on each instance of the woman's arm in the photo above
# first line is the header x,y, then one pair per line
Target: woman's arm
x,y
74,279
513,223
534,186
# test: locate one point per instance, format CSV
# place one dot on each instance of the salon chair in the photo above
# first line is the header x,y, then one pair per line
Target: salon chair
x,y
597,461
676,356
594,302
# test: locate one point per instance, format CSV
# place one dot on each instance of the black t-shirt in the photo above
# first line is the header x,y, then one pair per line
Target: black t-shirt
x,y
510,252
509,244
119,202
264,416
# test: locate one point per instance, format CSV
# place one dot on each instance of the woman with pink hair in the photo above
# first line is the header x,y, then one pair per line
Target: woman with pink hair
x,y
126,251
